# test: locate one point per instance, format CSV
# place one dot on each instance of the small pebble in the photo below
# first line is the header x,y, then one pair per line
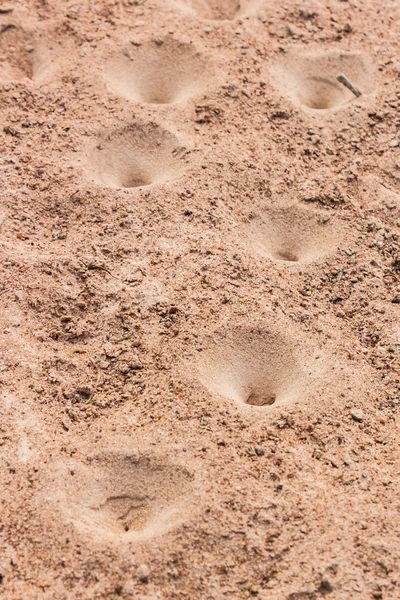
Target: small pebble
x,y
143,573
135,366
357,415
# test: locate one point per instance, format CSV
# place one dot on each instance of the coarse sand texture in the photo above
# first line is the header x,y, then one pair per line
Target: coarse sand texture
x,y
199,300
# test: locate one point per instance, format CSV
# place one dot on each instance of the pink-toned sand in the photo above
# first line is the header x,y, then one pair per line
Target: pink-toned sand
x,y
199,300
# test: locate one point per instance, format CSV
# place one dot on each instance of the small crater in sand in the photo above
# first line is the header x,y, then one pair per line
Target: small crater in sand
x,y
116,495
21,56
293,234
310,80
222,9
136,156
158,72
258,368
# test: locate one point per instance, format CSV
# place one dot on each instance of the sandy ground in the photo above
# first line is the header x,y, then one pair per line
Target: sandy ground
x,y
199,300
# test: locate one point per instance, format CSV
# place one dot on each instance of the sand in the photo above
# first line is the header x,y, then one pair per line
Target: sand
x,y
199,300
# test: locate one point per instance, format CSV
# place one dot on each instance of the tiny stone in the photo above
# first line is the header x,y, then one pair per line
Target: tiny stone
x,y
259,450
357,415
254,590
292,30
110,351
143,573
135,366
325,587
